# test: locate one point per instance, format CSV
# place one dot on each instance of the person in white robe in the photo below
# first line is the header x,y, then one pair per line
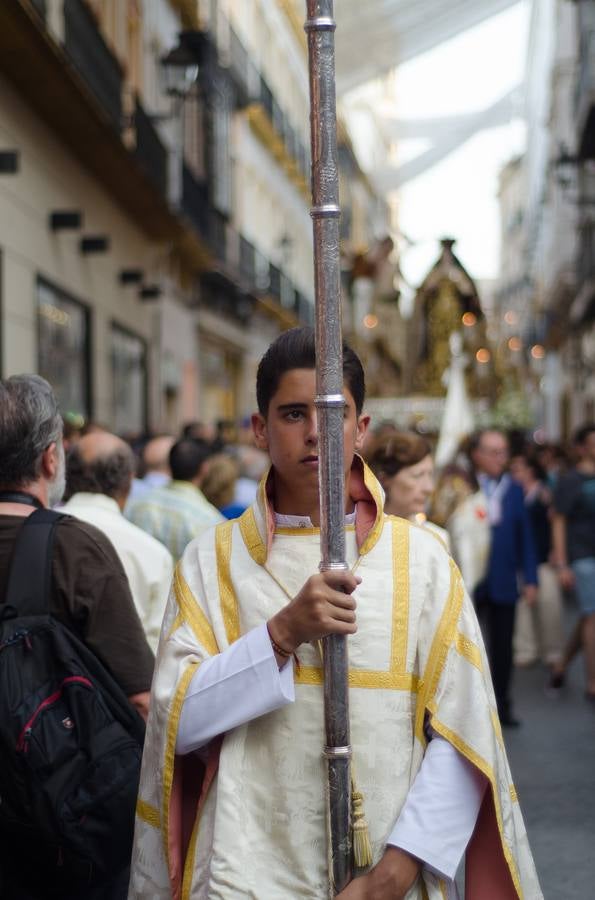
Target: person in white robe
x,y
232,795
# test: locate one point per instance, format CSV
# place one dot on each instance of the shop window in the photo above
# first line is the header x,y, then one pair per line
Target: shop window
x,y
64,348
129,382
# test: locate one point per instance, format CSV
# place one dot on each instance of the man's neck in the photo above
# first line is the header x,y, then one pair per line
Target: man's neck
x,y
38,491
287,503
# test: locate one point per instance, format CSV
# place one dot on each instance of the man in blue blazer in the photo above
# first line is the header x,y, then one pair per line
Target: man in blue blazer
x,y
512,565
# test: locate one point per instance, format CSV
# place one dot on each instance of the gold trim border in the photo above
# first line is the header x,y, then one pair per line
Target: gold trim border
x,y
443,640
170,752
227,598
251,536
466,648
147,813
193,614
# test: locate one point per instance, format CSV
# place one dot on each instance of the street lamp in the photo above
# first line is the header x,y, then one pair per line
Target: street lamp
x,y
179,69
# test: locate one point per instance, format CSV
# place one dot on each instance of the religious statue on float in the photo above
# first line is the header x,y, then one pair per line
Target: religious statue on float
x,y
447,303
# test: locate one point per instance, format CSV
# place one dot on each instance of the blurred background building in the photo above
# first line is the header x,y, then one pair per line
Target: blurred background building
x,y
545,313
154,217
154,208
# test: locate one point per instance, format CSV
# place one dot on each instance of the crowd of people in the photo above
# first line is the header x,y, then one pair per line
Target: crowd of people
x,y
519,520
135,517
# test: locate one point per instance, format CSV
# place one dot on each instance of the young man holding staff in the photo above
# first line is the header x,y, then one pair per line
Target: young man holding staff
x,y
232,800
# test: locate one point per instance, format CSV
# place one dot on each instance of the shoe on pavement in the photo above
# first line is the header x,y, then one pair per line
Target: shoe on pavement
x,y
554,684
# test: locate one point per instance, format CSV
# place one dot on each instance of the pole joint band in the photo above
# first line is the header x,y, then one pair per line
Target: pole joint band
x,y
333,567
320,23
326,211
330,400
337,752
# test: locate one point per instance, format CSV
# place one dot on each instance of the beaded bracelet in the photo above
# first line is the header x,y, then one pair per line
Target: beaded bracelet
x,y
280,650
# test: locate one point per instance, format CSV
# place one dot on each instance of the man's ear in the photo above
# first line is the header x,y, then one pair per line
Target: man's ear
x,y
363,422
259,429
50,461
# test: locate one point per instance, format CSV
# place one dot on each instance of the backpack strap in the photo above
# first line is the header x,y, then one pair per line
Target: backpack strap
x,y
29,580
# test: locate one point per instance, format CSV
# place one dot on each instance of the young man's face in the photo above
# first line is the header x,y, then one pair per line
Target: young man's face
x,y
290,434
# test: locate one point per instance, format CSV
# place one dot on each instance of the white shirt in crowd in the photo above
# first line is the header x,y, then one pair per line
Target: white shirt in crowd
x,y
147,563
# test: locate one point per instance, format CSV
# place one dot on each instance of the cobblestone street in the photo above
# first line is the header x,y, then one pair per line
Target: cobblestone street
x,y
552,757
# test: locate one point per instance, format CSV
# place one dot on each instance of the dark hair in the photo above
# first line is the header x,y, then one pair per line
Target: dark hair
x,y
582,433
295,349
396,452
187,457
192,430
30,421
538,470
110,474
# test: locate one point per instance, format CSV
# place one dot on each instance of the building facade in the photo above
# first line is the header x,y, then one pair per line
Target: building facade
x,y
152,243
545,305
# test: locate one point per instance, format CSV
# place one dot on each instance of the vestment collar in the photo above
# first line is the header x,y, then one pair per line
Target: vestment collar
x,y
257,524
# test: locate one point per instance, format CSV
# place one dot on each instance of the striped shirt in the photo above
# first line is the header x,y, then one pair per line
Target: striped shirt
x,y
174,514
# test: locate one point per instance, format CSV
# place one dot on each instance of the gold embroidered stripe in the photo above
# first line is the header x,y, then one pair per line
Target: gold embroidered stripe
x,y
373,486
179,620
513,794
227,597
443,640
251,537
467,649
193,614
170,752
400,627
148,813
487,770
362,678
497,727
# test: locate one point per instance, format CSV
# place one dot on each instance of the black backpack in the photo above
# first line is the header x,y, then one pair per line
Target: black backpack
x,y
70,742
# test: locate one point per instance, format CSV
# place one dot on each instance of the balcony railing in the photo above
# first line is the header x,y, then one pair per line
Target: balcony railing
x,y
275,282
585,83
218,235
150,152
585,268
247,262
239,66
195,203
93,59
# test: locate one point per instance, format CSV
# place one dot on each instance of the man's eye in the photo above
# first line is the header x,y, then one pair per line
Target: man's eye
x,y
294,415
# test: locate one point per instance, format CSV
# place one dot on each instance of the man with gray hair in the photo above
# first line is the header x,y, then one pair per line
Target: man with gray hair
x,y
100,468
90,592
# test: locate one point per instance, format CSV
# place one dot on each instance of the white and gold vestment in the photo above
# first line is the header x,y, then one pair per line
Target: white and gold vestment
x,y
256,829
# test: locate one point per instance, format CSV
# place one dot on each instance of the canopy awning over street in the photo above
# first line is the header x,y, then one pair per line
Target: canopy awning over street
x,y
374,36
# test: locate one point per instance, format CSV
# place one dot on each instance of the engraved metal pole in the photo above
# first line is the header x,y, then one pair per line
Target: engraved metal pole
x,y
320,27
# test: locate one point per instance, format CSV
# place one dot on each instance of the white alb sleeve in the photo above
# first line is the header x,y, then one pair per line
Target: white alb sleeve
x,y
441,809
238,685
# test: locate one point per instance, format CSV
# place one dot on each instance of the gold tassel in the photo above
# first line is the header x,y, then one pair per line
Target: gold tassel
x,y
362,849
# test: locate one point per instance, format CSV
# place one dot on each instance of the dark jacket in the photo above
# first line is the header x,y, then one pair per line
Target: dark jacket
x,y
512,551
